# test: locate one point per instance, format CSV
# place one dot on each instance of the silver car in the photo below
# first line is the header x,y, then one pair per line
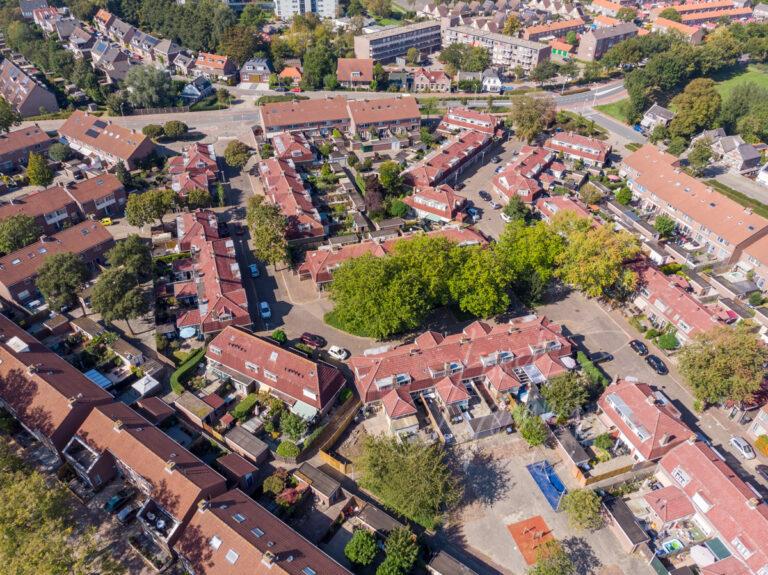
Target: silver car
x,y
743,447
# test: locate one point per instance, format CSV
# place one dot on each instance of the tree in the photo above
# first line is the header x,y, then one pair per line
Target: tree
x,y
476,59
239,43
701,154
123,175
294,426
268,227
18,231
453,54
117,296
412,56
221,197
725,363
670,14
531,427
133,254
148,87
565,394
516,209
427,138
361,548
198,198
545,70
317,63
59,152
141,209
624,196
512,25
390,176
584,509
677,145
388,567
594,257
664,225
571,38
590,195
153,131
379,8
480,284
551,559
8,116
38,172
60,278
175,129
253,16
411,478
658,134
236,154
401,548
697,108
626,14
331,82
380,77
530,116
398,209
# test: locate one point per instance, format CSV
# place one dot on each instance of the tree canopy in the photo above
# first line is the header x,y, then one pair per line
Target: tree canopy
x,y
584,509
565,394
411,478
361,548
8,116
148,87
38,172
132,253
117,296
530,116
551,559
141,209
17,232
236,154
724,363
268,227
60,278
696,108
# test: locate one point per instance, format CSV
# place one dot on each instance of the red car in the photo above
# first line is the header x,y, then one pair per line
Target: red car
x,y
312,340
297,90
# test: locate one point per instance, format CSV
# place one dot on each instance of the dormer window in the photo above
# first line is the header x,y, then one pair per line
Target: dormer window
x,y
214,350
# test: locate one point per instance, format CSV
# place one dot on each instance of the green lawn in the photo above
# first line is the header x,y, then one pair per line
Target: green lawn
x,y
751,74
615,110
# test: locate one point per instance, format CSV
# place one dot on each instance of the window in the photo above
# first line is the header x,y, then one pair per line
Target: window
x,y
215,542
251,367
309,571
269,375
214,350
232,556
505,356
309,393
745,551
402,378
257,532
239,517
680,476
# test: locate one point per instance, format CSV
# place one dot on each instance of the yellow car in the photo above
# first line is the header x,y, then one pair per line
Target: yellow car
x,y
106,221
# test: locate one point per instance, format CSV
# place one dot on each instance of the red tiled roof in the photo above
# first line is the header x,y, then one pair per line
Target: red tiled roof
x,y
384,110
658,172
502,378
466,119
292,146
94,189
298,112
314,383
104,135
645,417
606,21
45,392
147,450
698,6
555,204
361,67
432,76
670,503
607,4
291,72
715,15
519,178
664,24
734,510
22,139
440,201
213,61
251,540
474,351
580,146
553,27
451,392
560,45
439,164
398,403
38,203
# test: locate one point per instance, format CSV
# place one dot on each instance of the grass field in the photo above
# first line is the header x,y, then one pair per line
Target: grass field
x,y
752,74
615,110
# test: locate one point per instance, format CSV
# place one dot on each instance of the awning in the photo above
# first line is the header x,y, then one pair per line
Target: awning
x,y
99,378
304,410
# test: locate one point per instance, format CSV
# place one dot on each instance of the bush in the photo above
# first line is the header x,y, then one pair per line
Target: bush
x,y
245,407
275,483
594,374
584,509
185,370
175,129
756,299
59,152
671,268
303,347
236,154
361,548
279,336
153,131
288,449
761,444
652,333
635,321
345,395
312,437
604,441
624,196
668,341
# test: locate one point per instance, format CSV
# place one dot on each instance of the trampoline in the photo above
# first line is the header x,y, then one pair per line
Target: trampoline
x,y
548,482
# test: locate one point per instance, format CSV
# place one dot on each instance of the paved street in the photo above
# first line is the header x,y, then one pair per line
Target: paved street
x,y
744,185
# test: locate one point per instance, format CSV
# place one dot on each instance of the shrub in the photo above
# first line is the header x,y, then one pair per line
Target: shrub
x,y
671,268
635,321
59,152
756,299
279,336
288,449
153,131
761,444
668,341
236,154
245,407
345,395
361,548
304,348
275,483
594,374
312,437
185,370
604,441
624,196
652,333
175,129
584,509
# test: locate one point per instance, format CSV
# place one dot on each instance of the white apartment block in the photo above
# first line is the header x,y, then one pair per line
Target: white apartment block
x,y
386,45
505,51
287,9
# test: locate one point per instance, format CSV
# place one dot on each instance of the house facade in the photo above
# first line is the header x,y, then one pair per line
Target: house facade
x,y
595,43
24,93
15,146
575,147
440,204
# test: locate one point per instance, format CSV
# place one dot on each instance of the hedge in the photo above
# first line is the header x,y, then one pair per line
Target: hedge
x,y
288,449
245,407
593,373
184,371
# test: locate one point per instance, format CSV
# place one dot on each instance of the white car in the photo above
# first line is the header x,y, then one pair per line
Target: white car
x,y
338,353
505,217
743,447
264,310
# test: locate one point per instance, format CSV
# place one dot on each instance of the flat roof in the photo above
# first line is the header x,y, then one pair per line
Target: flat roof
x,y
625,519
319,480
247,442
571,445
377,519
446,564
401,30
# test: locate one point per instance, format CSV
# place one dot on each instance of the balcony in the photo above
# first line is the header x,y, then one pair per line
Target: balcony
x,y
79,454
157,522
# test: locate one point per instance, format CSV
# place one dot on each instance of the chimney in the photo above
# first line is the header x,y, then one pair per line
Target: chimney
x,y
203,505
73,400
170,465
268,558
692,439
118,425
650,400
753,502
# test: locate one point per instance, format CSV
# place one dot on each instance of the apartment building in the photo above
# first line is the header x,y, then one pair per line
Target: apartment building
x,y
694,34
386,45
18,270
370,118
459,119
111,143
255,363
504,357
46,395
555,29
505,51
24,93
597,42
448,161
438,204
575,147
714,222
287,9
15,146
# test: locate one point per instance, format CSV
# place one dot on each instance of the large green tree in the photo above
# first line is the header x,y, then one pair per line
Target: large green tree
x,y
141,209
665,225
412,478
530,116
565,394
725,363
148,87
696,108
60,278
551,559
390,176
671,14
401,548
236,154
361,549
480,283
117,296
268,227
700,155
8,116
584,509
38,172
134,254
18,231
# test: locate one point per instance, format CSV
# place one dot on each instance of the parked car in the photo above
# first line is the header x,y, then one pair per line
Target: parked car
x,y
763,471
127,513
495,206
338,353
743,447
639,347
106,221
505,218
656,364
118,500
485,195
312,340
600,357
254,269
264,310
499,169
473,214
496,160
